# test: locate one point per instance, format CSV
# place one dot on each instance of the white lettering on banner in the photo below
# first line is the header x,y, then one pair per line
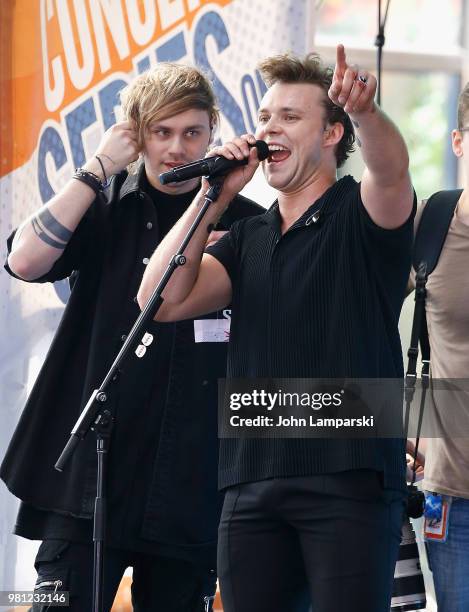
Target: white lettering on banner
x,y
100,21
141,31
53,94
112,12
79,75
171,11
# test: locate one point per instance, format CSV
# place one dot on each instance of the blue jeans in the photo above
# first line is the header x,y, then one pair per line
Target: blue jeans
x,y
449,561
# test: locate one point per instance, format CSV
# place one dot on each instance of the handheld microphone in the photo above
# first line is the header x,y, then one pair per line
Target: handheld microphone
x,y
217,165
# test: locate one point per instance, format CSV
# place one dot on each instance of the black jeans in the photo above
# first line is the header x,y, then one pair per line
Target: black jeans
x,y
159,584
328,541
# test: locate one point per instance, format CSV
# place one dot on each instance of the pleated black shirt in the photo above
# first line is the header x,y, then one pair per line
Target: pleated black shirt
x,y
320,301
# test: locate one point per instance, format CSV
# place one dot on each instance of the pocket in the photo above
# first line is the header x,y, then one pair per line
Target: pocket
x,y
50,550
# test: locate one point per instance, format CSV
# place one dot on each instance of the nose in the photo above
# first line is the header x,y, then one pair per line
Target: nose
x,y
176,145
270,126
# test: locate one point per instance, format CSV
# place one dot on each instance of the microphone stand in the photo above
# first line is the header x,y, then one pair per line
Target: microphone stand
x,y
96,417
379,43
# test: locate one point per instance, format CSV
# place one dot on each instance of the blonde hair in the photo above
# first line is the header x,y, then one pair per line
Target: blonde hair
x,y
165,91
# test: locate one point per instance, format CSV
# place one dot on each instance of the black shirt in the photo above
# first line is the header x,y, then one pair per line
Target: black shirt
x,y
163,458
320,301
141,388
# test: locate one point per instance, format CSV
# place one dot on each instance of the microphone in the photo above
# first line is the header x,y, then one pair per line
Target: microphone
x,y
217,165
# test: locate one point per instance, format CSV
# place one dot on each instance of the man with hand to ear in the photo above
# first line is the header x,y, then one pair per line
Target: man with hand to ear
x,y
101,229
316,286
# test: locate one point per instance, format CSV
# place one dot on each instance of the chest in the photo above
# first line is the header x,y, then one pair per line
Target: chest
x,y
304,264
448,285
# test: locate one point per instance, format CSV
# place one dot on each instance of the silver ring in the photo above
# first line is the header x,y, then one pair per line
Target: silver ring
x,y
363,79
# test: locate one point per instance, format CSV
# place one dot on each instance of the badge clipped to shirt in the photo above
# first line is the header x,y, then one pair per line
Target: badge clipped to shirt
x,y
213,330
436,514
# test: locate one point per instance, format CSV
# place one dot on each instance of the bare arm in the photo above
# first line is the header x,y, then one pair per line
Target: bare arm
x,y
386,188
202,284
42,237
420,459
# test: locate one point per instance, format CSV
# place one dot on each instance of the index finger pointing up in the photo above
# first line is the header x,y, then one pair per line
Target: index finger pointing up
x,y
341,63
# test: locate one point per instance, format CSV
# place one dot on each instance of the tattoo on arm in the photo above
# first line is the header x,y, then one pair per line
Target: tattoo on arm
x,y
54,227
46,221
355,124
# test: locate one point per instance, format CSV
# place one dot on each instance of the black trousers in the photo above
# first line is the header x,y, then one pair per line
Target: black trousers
x,y
327,543
159,584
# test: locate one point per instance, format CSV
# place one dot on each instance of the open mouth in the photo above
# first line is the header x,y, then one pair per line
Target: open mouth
x,y
277,153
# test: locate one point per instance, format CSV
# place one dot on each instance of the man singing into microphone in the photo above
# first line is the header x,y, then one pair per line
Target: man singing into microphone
x,y
316,285
163,504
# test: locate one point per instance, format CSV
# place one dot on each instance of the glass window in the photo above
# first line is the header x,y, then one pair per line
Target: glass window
x,y
424,108
430,25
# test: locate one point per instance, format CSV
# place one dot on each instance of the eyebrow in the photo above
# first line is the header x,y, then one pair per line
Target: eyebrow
x,y
284,109
197,126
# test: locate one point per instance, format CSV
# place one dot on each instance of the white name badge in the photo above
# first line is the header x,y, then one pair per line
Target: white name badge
x,y
212,330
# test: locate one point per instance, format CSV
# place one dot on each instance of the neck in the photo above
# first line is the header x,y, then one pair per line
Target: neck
x,y
293,204
463,207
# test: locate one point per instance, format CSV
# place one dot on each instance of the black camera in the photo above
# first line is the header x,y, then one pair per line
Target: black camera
x,y
409,588
415,502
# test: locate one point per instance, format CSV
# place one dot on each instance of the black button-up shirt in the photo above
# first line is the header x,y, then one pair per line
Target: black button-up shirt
x,y
320,301
163,459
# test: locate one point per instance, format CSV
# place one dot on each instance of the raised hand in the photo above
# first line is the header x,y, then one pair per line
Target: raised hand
x,y
118,147
352,88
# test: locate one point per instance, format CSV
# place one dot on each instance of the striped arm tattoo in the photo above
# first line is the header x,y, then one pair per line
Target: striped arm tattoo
x,y
45,220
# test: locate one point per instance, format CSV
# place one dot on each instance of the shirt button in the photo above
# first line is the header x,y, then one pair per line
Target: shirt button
x,y
136,299
149,225
145,261
123,337
204,383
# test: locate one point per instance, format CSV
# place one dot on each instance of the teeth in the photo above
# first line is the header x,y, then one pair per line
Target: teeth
x,y
273,148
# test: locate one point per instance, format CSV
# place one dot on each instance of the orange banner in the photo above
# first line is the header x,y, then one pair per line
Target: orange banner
x,y
53,51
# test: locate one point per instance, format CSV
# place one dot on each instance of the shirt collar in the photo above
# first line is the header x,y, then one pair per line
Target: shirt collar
x,y
132,182
325,204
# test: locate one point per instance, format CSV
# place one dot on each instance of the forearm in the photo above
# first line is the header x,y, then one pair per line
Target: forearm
x,y
184,278
382,146
41,239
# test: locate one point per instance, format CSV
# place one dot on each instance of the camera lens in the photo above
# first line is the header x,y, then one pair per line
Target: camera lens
x,y
409,588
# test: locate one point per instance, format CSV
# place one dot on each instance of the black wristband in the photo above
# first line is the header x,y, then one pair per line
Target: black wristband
x,y
89,178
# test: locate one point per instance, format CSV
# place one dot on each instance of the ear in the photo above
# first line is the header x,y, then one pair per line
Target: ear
x,y
213,129
333,134
456,141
